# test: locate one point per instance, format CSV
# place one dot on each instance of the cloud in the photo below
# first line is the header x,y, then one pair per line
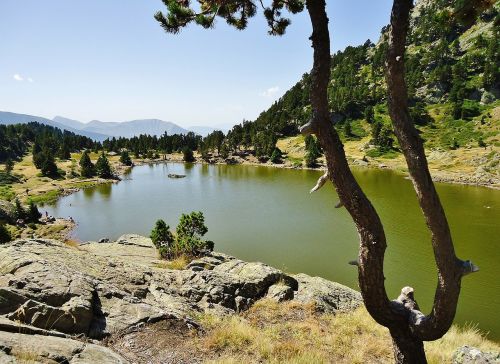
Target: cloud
x,y
270,92
20,78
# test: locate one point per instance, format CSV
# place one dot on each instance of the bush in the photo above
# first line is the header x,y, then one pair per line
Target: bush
x,y
187,240
470,109
481,143
8,178
161,235
276,156
4,234
419,114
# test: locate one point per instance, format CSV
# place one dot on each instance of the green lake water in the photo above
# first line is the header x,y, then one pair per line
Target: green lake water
x,y
267,214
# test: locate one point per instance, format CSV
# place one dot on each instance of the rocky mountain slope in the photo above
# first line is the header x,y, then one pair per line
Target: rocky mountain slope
x,y
58,301
452,76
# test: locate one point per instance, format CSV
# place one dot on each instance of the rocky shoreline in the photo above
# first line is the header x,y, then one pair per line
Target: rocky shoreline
x,y
59,302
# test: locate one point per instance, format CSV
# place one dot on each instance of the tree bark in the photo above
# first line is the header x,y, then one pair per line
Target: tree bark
x,y
450,269
407,325
368,224
407,348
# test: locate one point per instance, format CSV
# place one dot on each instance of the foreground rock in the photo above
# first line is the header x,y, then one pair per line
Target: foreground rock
x,y
471,355
99,289
21,348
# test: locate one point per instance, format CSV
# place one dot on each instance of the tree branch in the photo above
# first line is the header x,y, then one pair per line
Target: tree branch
x,y
371,232
450,269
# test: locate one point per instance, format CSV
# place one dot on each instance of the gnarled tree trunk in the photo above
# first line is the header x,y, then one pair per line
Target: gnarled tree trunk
x,y
407,325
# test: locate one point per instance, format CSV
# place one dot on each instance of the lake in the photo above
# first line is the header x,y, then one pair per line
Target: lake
x,y
267,214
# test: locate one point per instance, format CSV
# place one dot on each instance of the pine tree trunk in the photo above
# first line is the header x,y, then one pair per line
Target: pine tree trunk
x,y
407,349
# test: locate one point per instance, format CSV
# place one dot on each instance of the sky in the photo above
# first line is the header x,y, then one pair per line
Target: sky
x,y
109,60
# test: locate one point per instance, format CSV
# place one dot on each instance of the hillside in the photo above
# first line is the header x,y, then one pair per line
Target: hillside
x,y
453,85
128,129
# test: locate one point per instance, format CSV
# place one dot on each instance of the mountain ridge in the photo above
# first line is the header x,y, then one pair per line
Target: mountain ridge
x,y
102,130
8,118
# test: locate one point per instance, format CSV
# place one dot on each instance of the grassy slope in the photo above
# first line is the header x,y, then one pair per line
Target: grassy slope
x,y
31,186
293,333
445,163
44,189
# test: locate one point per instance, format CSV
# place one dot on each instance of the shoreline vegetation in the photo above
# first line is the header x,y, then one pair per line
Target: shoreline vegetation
x,y
464,166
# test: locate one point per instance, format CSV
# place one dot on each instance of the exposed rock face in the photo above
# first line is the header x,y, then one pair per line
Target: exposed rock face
x,y
471,355
98,289
21,348
328,296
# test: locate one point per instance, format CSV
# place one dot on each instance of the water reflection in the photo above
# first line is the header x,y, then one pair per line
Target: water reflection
x,y
104,191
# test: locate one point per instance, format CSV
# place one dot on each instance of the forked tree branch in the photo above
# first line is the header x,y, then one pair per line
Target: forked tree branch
x,y
395,314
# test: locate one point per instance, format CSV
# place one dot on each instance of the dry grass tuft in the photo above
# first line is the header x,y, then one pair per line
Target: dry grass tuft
x,y
72,243
178,263
289,332
440,351
26,357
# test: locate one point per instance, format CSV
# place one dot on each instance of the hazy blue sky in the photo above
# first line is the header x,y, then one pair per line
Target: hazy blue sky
x,y
110,60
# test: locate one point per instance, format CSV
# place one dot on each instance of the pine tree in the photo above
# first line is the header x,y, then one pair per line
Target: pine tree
x,y
64,151
37,155
190,230
4,234
33,215
347,129
19,211
102,167
224,151
48,164
125,158
491,75
187,155
86,166
313,151
382,136
9,166
369,114
276,156
161,235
